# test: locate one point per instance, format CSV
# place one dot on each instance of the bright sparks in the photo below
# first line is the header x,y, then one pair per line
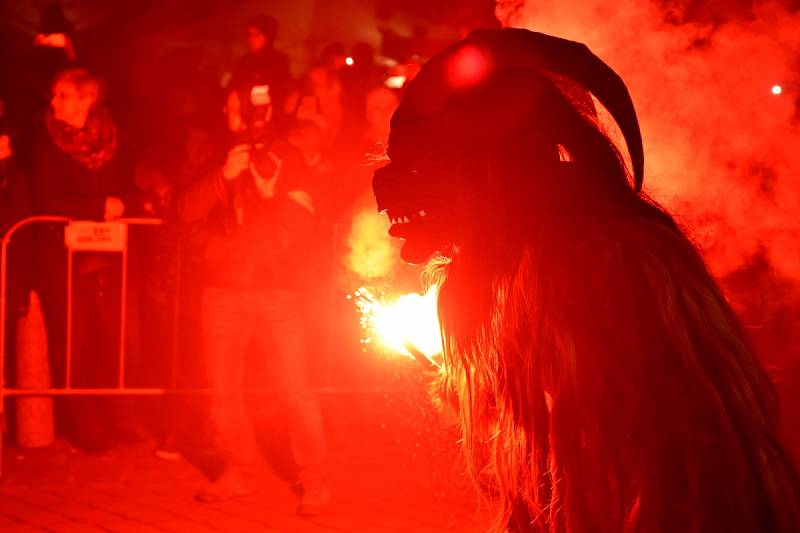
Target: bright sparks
x,y
411,318
349,61
777,89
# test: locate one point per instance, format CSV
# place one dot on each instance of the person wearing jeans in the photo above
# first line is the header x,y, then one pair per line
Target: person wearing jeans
x,y
259,223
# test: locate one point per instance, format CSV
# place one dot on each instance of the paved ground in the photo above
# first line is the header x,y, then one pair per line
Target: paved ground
x,y
394,467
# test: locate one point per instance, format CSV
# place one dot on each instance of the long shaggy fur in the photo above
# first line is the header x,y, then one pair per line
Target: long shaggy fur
x,y
604,383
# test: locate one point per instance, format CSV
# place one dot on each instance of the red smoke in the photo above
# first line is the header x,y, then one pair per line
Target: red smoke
x,y
722,150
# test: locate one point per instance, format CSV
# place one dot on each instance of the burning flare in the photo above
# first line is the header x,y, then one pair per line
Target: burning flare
x,y
409,323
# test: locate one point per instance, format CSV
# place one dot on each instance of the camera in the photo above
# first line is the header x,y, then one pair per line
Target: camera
x,y
260,128
260,132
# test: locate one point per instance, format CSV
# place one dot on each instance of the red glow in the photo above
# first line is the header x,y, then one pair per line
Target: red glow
x,y
467,67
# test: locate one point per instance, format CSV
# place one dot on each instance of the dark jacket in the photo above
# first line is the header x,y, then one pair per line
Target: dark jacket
x,y
62,186
14,206
14,198
263,247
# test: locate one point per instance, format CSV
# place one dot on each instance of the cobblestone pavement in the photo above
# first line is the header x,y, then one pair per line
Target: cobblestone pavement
x,y
394,467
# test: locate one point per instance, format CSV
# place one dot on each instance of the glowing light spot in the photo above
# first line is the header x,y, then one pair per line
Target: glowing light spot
x,y
777,89
390,324
467,67
349,61
563,154
395,82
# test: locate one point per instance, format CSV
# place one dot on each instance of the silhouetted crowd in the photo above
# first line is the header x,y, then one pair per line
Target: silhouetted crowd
x,y
248,180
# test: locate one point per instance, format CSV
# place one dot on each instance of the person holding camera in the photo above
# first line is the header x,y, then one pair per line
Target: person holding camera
x,y
260,219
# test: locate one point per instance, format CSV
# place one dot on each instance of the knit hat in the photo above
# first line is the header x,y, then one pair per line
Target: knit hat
x,y
266,25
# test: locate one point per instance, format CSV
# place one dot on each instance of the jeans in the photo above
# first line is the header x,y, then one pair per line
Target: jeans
x,y
91,423
230,318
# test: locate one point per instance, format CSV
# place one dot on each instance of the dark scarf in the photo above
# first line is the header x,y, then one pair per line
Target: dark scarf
x,y
93,145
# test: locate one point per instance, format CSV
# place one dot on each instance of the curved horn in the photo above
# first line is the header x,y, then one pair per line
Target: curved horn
x,y
523,48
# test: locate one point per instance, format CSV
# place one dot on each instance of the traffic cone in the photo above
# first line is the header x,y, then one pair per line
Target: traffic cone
x,y
35,425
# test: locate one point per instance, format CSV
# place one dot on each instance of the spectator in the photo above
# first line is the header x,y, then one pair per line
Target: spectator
x,y
318,99
333,57
380,104
356,164
309,139
75,168
171,270
56,31
76,172
260,222
359,78
171,164
14,203
14,206
261,66
52,51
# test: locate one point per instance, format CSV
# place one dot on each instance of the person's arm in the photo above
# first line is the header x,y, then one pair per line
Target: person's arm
x,y
201,197
296,227
14,204
299,212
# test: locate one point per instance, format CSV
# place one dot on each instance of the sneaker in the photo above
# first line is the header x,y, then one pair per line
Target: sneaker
x,y
167,450
166,454
315,499
233,483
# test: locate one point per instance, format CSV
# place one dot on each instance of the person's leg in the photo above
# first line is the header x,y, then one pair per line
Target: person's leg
x,y
86,422
120,414
53,297
225,328
165,418
49,278
280,313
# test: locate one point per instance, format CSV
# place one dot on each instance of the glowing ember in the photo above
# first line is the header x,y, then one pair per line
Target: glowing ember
x,y
777,89
410,319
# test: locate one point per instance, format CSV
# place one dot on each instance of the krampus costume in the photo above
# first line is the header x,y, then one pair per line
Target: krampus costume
x,y
602,380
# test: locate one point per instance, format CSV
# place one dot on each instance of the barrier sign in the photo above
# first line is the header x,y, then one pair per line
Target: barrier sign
x,y
88,236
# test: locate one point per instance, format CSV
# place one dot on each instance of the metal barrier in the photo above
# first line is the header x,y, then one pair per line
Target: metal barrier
x,y
79,236
109,237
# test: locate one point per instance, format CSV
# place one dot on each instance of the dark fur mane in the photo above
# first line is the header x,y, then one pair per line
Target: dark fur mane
x,y
593,301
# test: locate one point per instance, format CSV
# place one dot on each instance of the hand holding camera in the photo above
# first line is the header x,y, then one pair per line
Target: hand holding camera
x,y
237,162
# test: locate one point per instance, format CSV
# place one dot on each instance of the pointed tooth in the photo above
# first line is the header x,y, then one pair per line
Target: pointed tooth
x,y
422,213
405,219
